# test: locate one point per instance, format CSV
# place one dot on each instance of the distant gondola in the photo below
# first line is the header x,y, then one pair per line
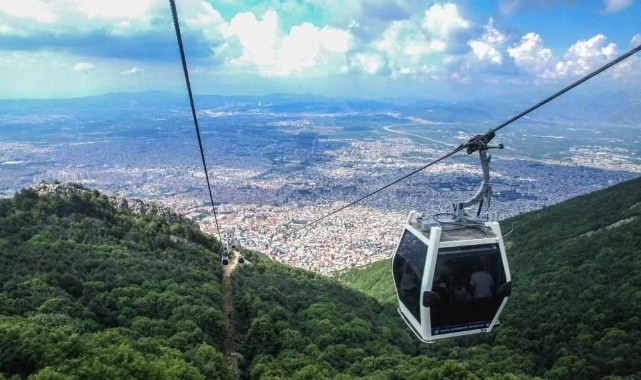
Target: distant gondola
x,y
225,256
452,276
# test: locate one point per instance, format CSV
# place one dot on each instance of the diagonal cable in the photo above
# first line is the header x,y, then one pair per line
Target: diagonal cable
x,y
193,108
484,137
434,162
589,76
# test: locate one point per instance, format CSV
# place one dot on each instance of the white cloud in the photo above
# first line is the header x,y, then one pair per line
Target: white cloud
x,y
306,48
441,20
485,52
299,49
29,9
202,16
614,6
82,17
631,67
258,37
531,56
335,40
369,63
8,30
405,47
83,66
486,48
585,56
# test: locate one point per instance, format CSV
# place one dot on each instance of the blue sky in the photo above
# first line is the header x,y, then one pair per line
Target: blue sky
x,y
373,48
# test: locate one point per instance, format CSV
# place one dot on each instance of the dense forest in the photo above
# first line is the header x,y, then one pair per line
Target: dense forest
x,y
90,290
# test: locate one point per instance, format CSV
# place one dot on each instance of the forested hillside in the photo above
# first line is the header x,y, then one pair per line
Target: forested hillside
x,y
92,292
575,311
89,290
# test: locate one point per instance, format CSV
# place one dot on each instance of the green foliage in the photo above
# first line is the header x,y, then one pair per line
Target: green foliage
x,y
374,279
89,291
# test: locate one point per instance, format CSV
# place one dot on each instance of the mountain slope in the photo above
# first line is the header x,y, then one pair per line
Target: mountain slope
x,y
91,291
88,290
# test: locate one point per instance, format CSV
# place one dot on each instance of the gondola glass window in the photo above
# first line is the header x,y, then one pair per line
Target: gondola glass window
x,y
409,265
468,280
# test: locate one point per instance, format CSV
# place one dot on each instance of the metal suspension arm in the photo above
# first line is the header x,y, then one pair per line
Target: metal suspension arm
x,y
484,194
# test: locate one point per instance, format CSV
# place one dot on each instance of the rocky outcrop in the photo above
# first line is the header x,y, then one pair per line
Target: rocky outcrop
x,y
135,206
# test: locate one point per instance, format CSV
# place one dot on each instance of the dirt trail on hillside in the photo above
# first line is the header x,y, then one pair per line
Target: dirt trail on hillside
x,y
228,304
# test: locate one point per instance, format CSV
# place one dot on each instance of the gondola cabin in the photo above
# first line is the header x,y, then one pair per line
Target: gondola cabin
x,y
451,279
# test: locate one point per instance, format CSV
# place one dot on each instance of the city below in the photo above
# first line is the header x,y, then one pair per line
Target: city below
x,y
274,173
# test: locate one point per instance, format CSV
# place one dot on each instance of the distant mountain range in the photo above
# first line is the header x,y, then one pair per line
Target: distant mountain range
x,y
606,107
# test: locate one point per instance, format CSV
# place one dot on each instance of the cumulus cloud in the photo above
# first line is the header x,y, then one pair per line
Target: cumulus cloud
x,y
82,16
257,37
486,48
250,41
585,56
444,24
631,67
368,63
531,56
406,48
613,6
305,47
83,66
396,38
442,20
414,46
35,10
114,29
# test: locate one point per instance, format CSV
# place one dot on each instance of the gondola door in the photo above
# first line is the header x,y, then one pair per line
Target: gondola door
x,y
411,278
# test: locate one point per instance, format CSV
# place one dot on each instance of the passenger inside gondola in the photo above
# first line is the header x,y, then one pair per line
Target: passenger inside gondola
x,y
482,282
460,292
440,287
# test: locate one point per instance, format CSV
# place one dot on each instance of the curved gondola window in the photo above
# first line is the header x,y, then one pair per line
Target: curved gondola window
x,y
472,277
408,266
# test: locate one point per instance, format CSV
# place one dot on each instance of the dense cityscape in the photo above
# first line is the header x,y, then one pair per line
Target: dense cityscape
x,y
273,174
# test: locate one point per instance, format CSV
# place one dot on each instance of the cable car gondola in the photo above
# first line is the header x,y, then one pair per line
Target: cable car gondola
x,y
225,257
451,275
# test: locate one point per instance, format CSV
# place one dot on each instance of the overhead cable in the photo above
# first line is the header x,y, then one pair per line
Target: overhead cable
x,y
193,107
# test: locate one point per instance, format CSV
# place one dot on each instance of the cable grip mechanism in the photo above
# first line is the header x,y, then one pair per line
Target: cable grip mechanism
x,y
484,194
